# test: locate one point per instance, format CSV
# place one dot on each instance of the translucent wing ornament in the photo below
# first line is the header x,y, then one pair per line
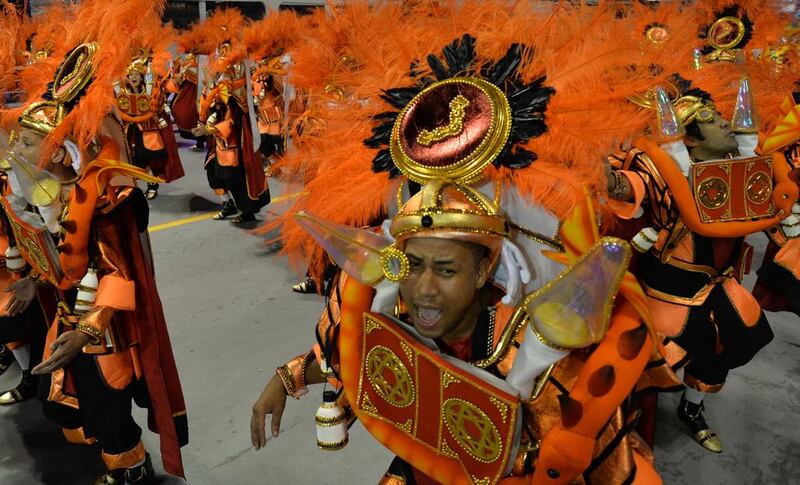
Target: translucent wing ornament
x,y
745,119
364,255
670,127
574,309
583,294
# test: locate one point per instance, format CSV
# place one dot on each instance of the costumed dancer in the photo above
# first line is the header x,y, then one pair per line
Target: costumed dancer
x,y
24,302
480,217
235,171
141,102
182,82
267,41
699,195
108,344
778,285
22,321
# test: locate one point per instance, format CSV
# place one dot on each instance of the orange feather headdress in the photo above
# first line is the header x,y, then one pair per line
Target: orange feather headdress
x,y
567,72
221,35
272,35
110,27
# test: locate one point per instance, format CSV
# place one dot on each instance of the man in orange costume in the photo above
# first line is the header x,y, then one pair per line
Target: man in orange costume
x,y
108,345
694,254
425,338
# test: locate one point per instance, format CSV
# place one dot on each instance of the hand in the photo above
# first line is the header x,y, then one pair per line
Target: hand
x,y
199,130
24,291
68,345
513,272
271,401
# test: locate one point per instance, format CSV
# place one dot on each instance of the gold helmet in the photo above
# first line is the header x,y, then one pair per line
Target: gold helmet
x,y
446,209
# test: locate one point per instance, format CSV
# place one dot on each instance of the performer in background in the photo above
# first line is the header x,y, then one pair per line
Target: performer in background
x,y
151,139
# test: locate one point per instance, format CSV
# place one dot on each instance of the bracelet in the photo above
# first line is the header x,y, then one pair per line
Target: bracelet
x,y
293,375
619,188
96,335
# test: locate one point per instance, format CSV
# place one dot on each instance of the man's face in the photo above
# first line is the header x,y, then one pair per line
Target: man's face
x,y
443,283
719,139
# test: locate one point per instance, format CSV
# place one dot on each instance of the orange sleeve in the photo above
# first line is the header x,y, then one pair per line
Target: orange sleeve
x,y
627,210
172,87
116,289
224,128
605,381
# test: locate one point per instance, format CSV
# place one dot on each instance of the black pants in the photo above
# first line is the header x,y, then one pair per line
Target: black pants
x,y
271,145
30,326
234,180
739,342
104,414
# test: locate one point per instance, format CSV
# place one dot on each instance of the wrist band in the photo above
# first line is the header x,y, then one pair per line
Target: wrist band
x,y
293,375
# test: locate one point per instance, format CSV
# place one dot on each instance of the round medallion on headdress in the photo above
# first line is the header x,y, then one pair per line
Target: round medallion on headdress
x,y
726,33
74,73
451,130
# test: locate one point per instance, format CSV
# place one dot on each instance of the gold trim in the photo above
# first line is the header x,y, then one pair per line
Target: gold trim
x,y
518,320
539,238
541,383
471,166
82,68
448,378
330,422
391,256
716,43
333,446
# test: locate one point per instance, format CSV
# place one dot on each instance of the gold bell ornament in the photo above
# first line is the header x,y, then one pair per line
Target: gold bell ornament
x,y
14,260
331,421
87,292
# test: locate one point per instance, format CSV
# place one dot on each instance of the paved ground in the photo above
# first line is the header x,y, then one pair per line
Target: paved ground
x,y
233,318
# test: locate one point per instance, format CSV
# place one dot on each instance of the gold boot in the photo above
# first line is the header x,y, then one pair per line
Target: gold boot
x,y
692,416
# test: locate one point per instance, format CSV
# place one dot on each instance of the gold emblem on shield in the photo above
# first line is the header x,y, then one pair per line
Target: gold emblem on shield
x,y
713,193
472,429
759,188
143,104
389,377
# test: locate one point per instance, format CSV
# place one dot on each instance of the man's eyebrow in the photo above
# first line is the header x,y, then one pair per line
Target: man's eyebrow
x,y
443,261
413,257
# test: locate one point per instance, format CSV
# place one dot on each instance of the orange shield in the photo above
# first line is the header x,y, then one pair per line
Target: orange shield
x,y
734,190
454,422
133,104
33,241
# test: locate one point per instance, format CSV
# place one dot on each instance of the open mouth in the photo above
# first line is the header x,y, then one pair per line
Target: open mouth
x,y
427,318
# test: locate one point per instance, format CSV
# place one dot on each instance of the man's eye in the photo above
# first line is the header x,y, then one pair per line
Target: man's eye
x,y
447,271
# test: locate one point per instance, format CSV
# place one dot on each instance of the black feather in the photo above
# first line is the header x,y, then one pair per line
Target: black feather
x,y
399,97
382,162
437,67
506,67
528,101
380,135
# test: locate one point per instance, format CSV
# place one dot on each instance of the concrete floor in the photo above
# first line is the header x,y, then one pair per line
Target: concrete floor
x,y
233,318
